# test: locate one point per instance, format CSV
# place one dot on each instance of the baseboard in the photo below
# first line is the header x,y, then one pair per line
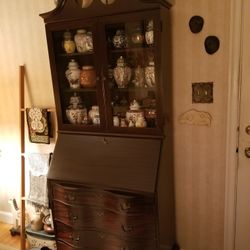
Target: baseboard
x,y
163,247
6,217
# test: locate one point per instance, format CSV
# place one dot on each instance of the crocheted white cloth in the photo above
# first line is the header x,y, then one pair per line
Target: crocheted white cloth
x,y
38,169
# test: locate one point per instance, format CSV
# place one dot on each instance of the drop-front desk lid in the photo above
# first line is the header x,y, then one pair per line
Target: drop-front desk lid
x,y
122,163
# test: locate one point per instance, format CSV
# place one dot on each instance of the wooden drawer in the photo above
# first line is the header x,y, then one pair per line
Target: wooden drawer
x,y
115,201
91,217
68,239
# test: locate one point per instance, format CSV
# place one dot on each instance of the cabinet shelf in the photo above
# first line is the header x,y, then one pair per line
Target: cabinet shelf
x,y
80,90
133,49
76,54
133,89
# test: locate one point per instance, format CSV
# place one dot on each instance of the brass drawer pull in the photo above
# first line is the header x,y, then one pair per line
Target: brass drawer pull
x,y
69,197
127,229
101,235
73,217
99,196
100,214
76,239
125,206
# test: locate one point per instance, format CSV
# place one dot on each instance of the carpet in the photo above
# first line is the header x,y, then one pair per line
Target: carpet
x,y
4,247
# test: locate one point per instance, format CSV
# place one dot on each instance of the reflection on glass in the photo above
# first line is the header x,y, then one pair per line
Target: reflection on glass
x,y
77,76
131,74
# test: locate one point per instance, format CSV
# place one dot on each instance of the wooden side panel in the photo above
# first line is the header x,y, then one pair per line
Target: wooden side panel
x,y
121,163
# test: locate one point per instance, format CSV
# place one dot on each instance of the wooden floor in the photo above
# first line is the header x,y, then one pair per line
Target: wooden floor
x,y
6,238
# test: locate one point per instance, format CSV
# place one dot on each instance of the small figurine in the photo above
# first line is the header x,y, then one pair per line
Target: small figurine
x,y
141,122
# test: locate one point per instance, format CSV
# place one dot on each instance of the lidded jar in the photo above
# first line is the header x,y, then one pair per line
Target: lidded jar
x,y
94,115
73,74
88,76
89,41
81,40
122,73
68,43
141,122
137,36
150,74
149,34
76,113
120,39
37,221
134,112
138,76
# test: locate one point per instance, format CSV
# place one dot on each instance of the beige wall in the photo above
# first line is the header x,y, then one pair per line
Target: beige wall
x,y
199,151
22,42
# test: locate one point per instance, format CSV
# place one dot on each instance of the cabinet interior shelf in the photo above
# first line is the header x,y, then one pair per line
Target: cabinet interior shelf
x,y
76,54
133,89
81,90
134,49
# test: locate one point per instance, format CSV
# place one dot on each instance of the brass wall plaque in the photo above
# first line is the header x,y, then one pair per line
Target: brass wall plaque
x,y
202,92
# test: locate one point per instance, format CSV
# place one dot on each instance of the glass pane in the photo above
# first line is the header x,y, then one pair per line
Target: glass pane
x,y
77,76
131,71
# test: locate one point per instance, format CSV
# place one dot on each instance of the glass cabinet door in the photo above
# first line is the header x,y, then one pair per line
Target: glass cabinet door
x,y
132,75
77,76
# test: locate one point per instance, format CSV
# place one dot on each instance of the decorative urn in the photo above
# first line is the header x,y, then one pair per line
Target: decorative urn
x,y
137,37
141,122
150,74
94,115
69,45
120,39
149,34
122,73
73,74
76,112
133,113
81,40
89,41
139,77
88,76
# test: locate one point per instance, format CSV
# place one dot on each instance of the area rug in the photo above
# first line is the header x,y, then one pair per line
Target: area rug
x,y
4,247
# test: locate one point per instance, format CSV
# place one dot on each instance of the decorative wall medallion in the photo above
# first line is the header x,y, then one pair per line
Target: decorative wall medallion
x,y
196,24
195,117
212,44
202,92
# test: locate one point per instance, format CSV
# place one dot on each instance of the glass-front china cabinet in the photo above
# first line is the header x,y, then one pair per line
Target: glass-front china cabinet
x,y
107,60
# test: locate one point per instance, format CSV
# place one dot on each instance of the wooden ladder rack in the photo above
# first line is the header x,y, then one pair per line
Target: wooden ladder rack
x,y
22,148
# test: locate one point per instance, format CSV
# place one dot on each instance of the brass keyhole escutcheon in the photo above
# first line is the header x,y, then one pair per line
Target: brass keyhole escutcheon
x,y
248,130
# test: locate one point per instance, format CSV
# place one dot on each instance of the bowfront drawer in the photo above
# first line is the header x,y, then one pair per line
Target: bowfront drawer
x,y
87,239
76,195
116,201
91,217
